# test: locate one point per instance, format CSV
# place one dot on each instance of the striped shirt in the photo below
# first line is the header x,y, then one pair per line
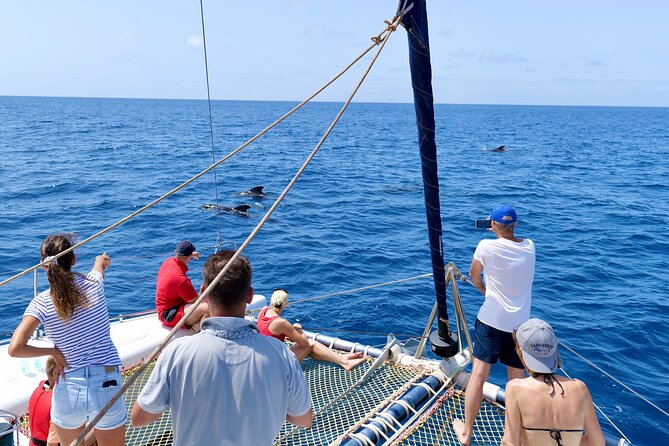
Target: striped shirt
x,y
85,339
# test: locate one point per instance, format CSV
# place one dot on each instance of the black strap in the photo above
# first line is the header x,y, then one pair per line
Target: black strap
x,y
556,434
170,313
551,430
38,442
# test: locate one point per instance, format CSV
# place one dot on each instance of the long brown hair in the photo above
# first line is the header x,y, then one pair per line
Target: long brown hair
x,y
65,295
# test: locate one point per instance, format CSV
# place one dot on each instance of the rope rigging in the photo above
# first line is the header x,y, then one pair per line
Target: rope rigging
x,y
379,40
208,169
140,369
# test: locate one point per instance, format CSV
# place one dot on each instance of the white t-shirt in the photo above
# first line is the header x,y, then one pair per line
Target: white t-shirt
x,y
508,272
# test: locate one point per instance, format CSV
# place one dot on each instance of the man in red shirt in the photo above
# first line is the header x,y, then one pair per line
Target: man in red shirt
x,y
174,290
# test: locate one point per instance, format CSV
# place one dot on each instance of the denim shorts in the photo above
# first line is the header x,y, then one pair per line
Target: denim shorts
x,y
79,397
491,345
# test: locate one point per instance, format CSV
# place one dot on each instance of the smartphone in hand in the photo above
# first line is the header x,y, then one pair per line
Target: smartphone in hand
x,y
482,223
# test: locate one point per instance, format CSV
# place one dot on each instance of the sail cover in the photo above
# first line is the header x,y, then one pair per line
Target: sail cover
x,y
415,22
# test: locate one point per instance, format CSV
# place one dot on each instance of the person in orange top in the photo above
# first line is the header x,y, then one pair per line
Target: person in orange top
x,y
270,323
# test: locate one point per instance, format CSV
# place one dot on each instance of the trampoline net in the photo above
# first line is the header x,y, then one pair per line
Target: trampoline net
x,y
340,407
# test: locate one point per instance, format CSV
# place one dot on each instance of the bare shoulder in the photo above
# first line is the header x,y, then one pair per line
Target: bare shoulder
x,y
281,322
517,385
573,382
280,325
574,386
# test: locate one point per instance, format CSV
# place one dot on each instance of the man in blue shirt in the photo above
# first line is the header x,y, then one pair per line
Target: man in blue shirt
x,y
228,384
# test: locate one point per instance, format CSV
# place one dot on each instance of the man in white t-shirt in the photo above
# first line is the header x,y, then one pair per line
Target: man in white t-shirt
x,y
507,264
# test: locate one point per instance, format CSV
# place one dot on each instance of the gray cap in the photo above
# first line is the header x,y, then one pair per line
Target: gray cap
x,y
538,345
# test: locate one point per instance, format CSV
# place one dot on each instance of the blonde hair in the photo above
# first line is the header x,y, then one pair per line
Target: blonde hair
x,y
279,299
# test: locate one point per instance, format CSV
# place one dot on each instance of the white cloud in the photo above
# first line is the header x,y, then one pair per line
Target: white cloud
x,y
194,41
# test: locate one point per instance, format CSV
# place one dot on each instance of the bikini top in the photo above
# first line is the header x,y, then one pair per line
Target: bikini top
x,y
555,434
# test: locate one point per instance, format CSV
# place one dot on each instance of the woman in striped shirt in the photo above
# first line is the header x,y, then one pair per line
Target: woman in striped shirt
x,y
75,317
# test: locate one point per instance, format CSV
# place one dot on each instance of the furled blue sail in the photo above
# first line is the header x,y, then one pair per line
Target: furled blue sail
x,y
414,19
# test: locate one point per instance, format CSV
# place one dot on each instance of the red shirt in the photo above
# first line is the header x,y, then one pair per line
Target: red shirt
x,y
39,412
173,286
263,325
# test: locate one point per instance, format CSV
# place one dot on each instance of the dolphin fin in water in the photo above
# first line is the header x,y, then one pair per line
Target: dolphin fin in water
x,y
498,149
256,191
240,210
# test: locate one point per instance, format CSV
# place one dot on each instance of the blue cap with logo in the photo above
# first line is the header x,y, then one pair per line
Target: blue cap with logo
x,y
504,214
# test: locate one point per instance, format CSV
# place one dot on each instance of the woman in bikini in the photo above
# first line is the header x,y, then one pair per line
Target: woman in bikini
x,y
545,408
272,324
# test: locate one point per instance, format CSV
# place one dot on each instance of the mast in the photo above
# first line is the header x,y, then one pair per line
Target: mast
x,y
414,20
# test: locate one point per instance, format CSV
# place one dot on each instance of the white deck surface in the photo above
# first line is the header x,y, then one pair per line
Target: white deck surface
x,y
135,338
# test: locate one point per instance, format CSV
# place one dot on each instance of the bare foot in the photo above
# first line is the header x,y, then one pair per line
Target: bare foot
x,y
461,431
351,360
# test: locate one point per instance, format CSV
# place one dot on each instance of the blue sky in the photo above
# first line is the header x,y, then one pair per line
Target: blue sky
x,y
483,52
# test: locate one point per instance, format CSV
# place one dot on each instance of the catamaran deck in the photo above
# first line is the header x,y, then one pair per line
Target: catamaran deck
x,y
342,403
340,408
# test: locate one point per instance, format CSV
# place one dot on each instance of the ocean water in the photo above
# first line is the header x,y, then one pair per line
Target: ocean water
x,y
590,185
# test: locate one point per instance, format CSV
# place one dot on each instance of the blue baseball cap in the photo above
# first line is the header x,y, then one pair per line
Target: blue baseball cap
x,y
504,213
184,248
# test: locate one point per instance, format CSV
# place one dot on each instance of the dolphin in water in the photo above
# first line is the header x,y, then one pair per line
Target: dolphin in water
x,y
240,210
498,149
253,192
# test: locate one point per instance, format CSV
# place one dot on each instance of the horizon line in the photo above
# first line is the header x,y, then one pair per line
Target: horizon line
x,y
330,102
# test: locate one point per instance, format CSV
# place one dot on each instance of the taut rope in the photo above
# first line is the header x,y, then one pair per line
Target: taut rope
x,y
140,369
211,124
364,288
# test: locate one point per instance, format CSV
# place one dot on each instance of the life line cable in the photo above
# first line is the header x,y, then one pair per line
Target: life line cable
x,y
617,381
602,412
140,369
